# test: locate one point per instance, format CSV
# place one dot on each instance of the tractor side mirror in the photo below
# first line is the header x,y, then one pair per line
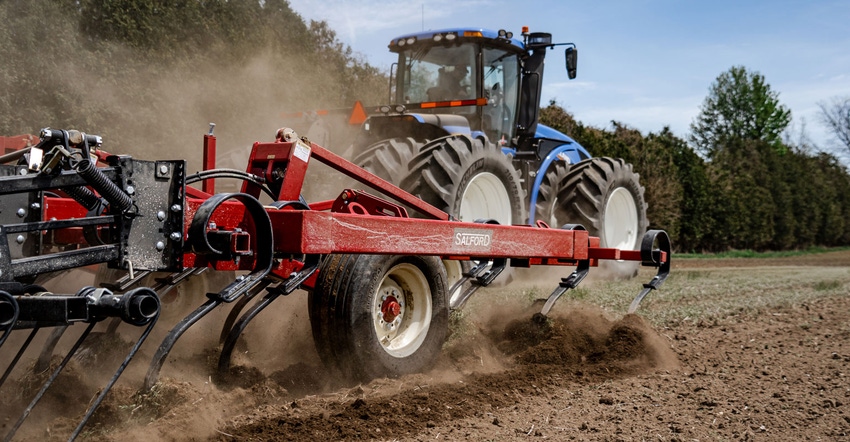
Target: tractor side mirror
x,y
571,55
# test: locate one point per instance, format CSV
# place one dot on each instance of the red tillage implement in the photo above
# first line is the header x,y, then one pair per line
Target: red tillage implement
x,y
381,283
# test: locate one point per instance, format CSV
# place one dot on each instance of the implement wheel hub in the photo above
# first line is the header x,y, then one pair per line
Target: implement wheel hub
x,y
390,308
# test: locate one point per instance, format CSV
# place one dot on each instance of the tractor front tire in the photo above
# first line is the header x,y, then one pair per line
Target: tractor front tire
x,y
390,159
379,315
469,180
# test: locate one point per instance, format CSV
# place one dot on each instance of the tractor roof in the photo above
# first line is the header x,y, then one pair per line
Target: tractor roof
x,y
402,41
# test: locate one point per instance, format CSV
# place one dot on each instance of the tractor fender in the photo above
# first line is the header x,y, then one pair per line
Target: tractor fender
x,y
571,153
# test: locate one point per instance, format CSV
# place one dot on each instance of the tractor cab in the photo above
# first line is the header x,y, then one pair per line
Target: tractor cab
x,y
472,74
481,82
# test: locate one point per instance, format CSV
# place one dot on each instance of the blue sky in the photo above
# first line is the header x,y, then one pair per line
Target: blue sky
x,y
645,63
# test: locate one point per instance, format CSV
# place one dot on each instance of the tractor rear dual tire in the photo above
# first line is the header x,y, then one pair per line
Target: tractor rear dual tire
x,y
605,196
457,174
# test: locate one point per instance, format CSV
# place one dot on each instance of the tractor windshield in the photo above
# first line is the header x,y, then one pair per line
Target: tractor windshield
x,y
437,73
430,73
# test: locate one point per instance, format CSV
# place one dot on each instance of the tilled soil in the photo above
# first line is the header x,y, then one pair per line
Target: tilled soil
x,y
779,375
773,373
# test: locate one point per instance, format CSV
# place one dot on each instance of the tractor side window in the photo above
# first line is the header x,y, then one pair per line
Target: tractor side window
x,y
437,73
501,75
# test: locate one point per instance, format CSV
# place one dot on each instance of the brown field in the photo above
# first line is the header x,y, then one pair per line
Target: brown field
x,y
729,349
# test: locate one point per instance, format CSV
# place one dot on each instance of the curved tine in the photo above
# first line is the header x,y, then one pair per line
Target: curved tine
x,y
636,302
115,377
43,361
169,341
237,309
287,287
567,283
49,381
18,356
239,327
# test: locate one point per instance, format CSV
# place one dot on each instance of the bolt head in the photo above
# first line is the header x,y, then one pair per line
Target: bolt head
x,y
176,208
20,239
130,190
163,169
21,212
176,236
160,215
160,246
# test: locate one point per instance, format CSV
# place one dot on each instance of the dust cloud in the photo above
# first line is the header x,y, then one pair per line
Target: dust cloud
x,y
275,362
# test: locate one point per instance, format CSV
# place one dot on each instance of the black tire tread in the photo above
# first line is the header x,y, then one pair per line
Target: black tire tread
x,y
548,191
582,192
390,159
446,163
340,332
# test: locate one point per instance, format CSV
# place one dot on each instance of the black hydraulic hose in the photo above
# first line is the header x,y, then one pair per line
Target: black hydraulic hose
x,y
231,173
109,190
84,196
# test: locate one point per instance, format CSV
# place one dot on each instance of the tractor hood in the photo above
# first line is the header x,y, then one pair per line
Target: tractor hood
x,y
547,132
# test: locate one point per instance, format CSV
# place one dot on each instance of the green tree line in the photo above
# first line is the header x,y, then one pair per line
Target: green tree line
x,y
729,189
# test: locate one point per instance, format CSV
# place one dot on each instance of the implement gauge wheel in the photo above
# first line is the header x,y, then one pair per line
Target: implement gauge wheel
x,y
377,315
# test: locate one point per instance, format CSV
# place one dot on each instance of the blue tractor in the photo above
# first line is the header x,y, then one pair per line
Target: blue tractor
x,y
462,133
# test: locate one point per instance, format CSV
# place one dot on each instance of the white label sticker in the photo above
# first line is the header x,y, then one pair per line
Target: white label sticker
x,y
472,239
302,151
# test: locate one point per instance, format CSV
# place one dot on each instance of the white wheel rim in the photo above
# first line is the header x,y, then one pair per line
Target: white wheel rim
x,y
621,220
486,197
402,332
